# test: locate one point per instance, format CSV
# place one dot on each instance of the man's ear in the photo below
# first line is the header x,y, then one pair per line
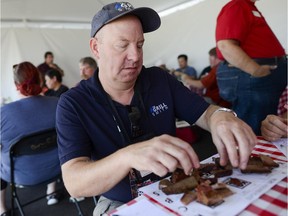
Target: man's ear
x,y
94,47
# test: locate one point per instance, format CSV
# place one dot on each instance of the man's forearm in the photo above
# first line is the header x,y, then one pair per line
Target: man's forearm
x,y
235,56
192,82
83,177
204,120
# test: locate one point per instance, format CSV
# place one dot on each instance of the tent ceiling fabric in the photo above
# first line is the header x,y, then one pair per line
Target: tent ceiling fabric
x,y
67,10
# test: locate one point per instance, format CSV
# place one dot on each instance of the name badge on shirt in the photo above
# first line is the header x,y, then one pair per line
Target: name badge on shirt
x,y
256,13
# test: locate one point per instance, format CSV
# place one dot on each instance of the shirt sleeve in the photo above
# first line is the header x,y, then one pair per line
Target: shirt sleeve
x,y
233,22
210,78
73,141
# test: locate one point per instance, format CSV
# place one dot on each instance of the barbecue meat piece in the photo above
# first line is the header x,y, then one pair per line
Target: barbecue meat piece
x,y
256,169
206,168
188,197
236,182
178,175
207,196
164,183
221,171
268,161
182,186
260,164
211,195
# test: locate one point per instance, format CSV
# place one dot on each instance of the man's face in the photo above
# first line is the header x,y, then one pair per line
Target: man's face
x,y
182,62
50,82
119,50
212,60
86,71
49,59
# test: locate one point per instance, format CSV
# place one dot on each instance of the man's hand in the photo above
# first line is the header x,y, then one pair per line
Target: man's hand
x,y
233,138
161,155
274,127
237,57
264,70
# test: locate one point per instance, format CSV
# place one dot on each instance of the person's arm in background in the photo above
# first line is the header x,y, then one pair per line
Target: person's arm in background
x,y
274,127
179,75
236,57
192,82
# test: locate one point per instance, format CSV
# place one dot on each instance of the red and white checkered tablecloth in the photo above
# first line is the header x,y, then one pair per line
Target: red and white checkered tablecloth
x,y
273,203
282,102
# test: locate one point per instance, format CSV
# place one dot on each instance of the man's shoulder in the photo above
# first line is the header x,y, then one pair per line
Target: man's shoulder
x,y
191,70
64,88
237,4
85,90
152,72
40,100
190,67
42,65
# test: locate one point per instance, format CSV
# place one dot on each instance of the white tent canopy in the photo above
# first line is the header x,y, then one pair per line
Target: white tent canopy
x,y
29,28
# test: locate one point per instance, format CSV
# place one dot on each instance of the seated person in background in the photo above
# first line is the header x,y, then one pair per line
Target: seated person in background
x,y
47,65
184,67
274,127
205,71
30,114
54,84
162,65
123,120
209,82
87,66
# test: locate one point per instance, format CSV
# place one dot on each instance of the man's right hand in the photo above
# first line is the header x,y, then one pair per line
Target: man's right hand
x,y
264,70
161,155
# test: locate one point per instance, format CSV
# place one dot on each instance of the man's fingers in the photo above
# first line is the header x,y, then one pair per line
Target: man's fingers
x,y
168,161
235,145
183,152
231,148
245,146
221,149
158,168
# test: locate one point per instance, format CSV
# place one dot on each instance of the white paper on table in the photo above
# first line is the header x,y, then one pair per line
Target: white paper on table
x,y
142,207
257,184
282,145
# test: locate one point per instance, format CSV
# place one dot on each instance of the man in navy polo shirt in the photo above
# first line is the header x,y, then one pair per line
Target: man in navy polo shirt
x,y
117,129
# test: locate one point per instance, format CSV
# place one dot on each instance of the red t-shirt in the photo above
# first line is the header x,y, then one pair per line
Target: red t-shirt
x,y
212,91
240,20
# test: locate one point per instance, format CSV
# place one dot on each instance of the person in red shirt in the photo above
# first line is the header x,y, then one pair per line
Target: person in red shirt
x,y
254,70
208,82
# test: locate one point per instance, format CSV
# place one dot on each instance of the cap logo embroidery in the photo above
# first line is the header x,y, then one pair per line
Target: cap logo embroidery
x,y
123,6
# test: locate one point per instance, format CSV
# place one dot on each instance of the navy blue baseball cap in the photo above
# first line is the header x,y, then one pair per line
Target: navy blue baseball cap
x,y
149,18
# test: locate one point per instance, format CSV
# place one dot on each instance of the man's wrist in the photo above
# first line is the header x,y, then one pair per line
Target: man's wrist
x,y
223,109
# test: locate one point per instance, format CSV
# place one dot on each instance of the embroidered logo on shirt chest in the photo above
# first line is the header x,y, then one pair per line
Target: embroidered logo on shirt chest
x,y
157,109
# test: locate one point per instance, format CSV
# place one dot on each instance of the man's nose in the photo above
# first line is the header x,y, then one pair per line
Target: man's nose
x,y
134,53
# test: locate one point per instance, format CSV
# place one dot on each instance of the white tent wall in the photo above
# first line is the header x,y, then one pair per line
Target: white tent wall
x,y
190,31
24,44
